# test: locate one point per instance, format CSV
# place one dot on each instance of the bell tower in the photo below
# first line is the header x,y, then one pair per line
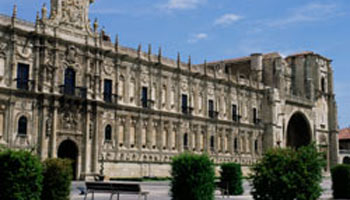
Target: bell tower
x,y
70,13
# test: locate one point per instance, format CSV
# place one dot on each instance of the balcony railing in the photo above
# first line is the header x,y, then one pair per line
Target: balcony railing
x,y
187,110
27,85
213,114
344,151
110,98
79,92
147,103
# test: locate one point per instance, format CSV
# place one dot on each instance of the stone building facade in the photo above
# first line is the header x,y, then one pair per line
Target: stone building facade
x,y
67,91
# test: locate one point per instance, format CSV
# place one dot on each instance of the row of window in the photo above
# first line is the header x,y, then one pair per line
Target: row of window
x,y
185,140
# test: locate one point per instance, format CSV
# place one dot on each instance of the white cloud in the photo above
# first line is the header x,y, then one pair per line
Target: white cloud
x,y
227,19
183,4
197,37
308,13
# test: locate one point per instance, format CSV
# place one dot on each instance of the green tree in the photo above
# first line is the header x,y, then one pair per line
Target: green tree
x,y
288,174
341,181
192,177
231,178
20,176
58,174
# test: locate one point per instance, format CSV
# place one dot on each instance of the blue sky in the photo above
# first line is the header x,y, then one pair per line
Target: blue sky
x,y
219,29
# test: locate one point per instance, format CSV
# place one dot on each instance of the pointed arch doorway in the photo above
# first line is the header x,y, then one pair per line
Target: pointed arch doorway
x,y
298,131
69,150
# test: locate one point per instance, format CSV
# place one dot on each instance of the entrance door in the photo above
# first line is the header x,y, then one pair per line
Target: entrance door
x,y
298,131
69,150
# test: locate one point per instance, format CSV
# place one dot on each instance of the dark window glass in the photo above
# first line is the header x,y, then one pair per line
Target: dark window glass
x,y
184,103
255,116
235,145
323,84
69,81
234,113
211,108
212,142
107,94
144,97
185,140
22,126
108,133
22,76
256,146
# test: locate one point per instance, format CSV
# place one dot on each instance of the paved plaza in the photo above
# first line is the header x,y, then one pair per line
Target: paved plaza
x,y
160,191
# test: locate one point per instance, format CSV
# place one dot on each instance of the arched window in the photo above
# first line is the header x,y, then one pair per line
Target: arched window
x,y
212,143
108,133
185,140
235,145
22,126
256,146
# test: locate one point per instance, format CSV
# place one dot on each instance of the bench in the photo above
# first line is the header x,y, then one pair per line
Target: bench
x,y
114,189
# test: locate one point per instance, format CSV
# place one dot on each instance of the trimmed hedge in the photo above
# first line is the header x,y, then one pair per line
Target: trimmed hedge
x,y
192,177
341,181
231,178
58,174
288,174
20,176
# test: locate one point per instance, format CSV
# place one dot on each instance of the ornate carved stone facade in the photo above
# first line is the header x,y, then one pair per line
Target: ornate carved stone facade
x,y
67,91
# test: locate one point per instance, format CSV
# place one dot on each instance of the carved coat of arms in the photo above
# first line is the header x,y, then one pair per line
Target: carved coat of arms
x,y
73,12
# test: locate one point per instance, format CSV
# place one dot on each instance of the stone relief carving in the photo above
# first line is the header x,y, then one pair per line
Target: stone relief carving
x,y
70,117
3,47
24,52
144,78
108,67
72,11
71,54
48,124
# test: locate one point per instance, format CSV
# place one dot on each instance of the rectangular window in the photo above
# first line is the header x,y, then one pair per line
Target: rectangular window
x,y
144,97
234,113
184,103
69,81
107,94
211,108
22,76
255,116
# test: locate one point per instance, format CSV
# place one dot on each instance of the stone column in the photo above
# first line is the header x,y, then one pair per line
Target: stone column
x,y
138,133
53,151
95,142
10,123
160,135
86,138
149,133
43,130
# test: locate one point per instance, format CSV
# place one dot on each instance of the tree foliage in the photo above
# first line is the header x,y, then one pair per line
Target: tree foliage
x,y
192,177
231,178
58,174
288,174
341,181
20,176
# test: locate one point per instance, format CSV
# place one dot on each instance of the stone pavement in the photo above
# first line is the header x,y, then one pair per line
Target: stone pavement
x,y
160,191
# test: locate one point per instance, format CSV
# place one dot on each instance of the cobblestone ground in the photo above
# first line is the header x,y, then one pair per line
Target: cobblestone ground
x,y
160,191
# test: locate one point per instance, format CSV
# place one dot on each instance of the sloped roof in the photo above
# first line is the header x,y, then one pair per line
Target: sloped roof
x,y
244,59
344,134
